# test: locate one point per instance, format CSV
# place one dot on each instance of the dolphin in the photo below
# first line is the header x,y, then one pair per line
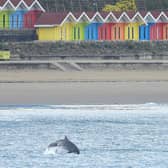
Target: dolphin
x,y
66,144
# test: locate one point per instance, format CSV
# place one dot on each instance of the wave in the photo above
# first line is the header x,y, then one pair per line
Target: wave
x,y
106,106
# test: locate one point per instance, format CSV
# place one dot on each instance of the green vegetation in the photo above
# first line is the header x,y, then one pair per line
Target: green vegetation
x,y
122,5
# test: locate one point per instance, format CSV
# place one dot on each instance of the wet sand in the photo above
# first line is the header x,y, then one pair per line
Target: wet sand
x,y
87,87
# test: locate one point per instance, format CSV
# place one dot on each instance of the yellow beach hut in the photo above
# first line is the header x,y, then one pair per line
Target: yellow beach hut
x,y
132,28
55,26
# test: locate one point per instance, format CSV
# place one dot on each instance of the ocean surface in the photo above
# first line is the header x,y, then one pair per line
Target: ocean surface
x,y
119,136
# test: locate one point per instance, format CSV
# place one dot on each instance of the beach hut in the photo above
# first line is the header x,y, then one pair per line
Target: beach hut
x,y
118,30
165,31
132,28
35,9
4,19
16,19
91,30
161,27
105,30
79,26
55,26
30,18
145,29
48,26
66,27
156,30
165,26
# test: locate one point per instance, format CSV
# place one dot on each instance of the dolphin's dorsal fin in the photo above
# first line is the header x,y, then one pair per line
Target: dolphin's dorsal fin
x,y
65,138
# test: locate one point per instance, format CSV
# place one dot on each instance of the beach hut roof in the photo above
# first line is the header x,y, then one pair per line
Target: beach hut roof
x,y
51,19
166,13
138,18
104,14
8,5
2,2
83,17
124,18
90,14
97,18
143,13
162,17
155,14
77,14
110,18
22,5
69,18
35,5
14,4
131,14
117,14
149,17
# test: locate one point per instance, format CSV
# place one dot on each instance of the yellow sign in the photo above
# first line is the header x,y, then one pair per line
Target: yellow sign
x,y
4,55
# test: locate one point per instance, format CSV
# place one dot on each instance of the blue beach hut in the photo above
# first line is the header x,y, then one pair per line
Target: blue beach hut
x,y
144,31
16,19
91,31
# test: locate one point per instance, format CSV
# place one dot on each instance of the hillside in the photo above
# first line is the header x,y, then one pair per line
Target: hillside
x,y
94,5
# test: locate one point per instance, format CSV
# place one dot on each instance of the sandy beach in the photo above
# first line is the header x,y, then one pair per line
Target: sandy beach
x,y
86,87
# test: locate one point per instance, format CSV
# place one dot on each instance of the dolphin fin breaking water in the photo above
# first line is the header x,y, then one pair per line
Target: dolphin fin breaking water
x,y
65,144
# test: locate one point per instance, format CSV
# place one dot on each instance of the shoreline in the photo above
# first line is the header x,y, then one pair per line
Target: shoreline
x,y
83,88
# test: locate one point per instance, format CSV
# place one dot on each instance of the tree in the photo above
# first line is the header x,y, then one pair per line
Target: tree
x,y
122,5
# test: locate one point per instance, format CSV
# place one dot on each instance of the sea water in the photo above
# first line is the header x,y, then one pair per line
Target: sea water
x,y
126,136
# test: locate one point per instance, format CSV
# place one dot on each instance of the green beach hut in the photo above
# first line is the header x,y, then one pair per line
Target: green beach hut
x,y
4,19
79,27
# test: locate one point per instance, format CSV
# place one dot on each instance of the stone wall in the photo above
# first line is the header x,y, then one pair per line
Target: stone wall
x,y
87,50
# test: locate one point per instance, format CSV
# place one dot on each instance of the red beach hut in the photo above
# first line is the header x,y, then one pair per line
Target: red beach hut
x,y
105,31
156,31
30,18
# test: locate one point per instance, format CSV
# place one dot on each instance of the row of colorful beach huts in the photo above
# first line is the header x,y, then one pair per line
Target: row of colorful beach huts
x,y
103,26
68,26
19,14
